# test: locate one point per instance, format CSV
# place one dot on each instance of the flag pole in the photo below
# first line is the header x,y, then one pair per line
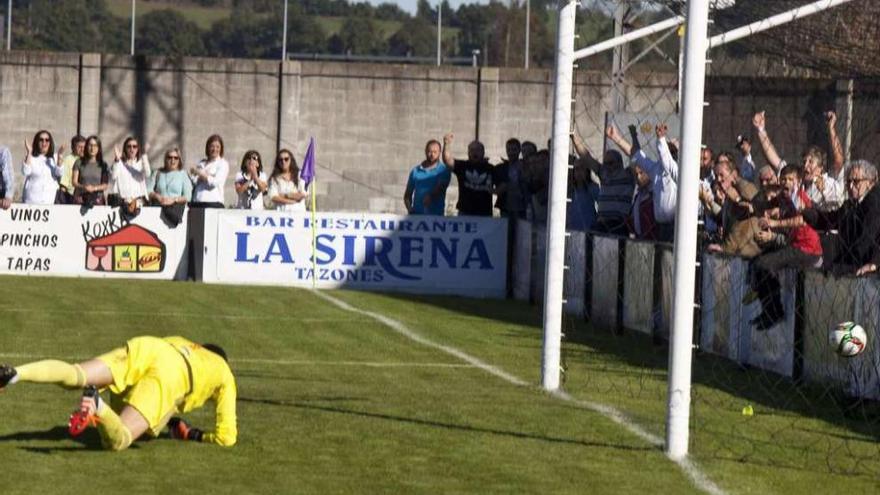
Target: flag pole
x,y
308,175
314,236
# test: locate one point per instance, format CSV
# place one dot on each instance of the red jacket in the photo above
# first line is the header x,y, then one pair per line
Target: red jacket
x,y
803,238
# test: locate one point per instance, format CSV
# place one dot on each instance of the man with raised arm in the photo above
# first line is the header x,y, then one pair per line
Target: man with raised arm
x,y
150,379
663,175
615,191
825,190
474,176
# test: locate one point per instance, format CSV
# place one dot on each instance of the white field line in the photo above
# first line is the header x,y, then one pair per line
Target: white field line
x,y
697,476
283,362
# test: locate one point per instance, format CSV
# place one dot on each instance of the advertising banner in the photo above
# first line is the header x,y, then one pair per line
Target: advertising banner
x,y
65,240
442,255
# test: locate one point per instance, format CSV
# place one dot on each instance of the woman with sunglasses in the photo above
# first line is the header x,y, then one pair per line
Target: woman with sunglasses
x,y
91,175
40,170
131,171
209,176
250,182
172,183
286,191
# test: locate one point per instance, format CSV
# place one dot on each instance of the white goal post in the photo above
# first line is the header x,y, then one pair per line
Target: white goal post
x,y
697,44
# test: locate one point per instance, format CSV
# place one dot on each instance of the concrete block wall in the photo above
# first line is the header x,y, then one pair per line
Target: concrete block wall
x,y
370,121
37,91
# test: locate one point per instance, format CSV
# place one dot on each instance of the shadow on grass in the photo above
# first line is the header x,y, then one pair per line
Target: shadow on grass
x,y
437,424
720,384
89,439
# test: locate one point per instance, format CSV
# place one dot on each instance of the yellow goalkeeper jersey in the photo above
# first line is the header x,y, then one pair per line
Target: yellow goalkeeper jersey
x,y
161,377
211,380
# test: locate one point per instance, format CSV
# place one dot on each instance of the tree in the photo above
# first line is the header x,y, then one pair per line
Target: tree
x,y
74,25
425,12
167,32
359,36
416,37
249,36
391,12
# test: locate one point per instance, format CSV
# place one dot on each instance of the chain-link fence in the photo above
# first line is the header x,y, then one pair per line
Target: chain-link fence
x,y
771,392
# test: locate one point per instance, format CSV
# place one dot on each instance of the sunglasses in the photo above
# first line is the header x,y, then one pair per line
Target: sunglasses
x,y
43,140
172,157
132,146
285,158
856,181
253,157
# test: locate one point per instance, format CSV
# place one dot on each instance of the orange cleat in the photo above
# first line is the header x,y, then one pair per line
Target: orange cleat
x,y
85,416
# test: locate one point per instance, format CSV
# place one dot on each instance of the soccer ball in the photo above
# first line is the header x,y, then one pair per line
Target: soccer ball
x,y
848,339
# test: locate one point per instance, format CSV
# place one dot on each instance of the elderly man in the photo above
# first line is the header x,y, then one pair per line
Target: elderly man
x,y
662,175
856,249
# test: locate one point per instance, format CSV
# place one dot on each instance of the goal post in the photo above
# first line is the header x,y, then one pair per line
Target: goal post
x,y
692,84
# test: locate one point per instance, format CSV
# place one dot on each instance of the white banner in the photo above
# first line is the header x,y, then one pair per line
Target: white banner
x,y
63,240
442,255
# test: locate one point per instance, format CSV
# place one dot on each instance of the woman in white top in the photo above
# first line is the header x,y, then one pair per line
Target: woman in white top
x,y
250,182
209,176
131,171
286,191
40,170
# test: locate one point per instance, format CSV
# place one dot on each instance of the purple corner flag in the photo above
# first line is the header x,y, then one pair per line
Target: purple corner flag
x,y
307,174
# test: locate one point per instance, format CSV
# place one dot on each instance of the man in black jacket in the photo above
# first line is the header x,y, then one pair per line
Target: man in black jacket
x,y
855,250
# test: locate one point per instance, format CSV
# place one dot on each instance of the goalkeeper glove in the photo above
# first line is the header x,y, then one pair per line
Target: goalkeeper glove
x,y
180,430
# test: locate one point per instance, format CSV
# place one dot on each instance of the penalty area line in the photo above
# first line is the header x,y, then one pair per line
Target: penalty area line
x,y
687,466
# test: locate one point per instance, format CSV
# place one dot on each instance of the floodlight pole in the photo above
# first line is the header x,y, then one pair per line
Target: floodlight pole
x,y
685,248
9,25
439,28
550,369
132,25
528,29
619,60
284,35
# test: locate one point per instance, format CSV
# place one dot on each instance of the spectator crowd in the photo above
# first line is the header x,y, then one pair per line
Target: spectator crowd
x,y
817,212
83,176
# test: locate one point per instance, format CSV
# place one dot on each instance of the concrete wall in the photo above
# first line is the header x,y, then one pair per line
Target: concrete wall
x,y
370,121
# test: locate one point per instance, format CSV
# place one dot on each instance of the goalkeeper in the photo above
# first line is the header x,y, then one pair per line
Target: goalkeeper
x,y
149,379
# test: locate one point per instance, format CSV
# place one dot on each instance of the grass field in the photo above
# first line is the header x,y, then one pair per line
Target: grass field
x,y
334,401
204,17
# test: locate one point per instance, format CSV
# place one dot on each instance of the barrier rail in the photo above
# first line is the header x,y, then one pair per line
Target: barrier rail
x,y
628,286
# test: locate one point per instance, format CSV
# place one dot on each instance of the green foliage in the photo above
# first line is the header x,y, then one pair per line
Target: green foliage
x,y
415,37
251,36
168,33
73,26
358,36
252,28
391,12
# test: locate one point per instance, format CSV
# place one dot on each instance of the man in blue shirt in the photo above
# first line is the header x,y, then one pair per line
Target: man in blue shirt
x,y
426,187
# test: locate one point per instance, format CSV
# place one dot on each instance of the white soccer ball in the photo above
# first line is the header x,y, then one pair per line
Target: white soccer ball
x,y
848,339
